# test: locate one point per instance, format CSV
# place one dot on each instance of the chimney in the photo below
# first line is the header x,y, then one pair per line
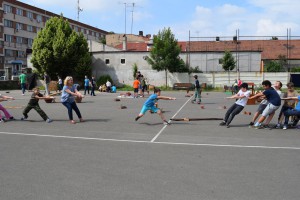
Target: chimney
x,y
124,42
141,33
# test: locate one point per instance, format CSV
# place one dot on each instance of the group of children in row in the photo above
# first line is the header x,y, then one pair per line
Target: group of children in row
x,y
69,92
139,85
270,102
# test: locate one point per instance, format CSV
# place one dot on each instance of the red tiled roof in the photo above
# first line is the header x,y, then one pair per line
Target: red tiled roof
x,y
270,49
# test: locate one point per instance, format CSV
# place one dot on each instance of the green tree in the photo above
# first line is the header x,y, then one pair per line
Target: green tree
x,y
135,70
228,63
59,50
274,66
165,53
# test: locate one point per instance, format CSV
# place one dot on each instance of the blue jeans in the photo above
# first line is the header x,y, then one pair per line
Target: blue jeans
x,y
289,113
23,87
70,107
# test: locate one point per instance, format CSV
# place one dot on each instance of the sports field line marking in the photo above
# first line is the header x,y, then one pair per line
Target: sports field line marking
x,y
156,136
148,142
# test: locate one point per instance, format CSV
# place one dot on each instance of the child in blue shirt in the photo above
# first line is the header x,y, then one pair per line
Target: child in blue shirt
x,y
150,105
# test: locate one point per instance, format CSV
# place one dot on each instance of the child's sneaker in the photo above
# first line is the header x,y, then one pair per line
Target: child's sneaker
x,y
166,123
137,118
284,127
23,118
49,120
222,123
2,120
278,126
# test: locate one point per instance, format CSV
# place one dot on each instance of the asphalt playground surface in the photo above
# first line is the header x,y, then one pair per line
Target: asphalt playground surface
x,y
110,156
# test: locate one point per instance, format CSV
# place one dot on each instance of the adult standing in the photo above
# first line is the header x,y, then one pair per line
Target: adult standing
x,y
60,83
67,98
47,82
86,85
108,86
93,83
22,79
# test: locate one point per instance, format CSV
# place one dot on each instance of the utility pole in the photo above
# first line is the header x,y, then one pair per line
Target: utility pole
x,y
78,10
132,16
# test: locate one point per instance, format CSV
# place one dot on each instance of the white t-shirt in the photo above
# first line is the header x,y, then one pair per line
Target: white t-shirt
x,y
243,101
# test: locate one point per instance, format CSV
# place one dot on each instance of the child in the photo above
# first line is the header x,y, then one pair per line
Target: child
x,y
292,112
277,87
67,98
197,91
34,104
6,113
273,98
288,104
136,84
150,105
263,104
242,98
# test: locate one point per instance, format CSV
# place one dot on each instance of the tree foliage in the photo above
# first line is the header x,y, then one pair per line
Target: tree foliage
x,y
59,50
165,53
274,66
228,63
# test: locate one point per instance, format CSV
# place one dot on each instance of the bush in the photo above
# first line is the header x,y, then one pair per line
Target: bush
x,y
103,79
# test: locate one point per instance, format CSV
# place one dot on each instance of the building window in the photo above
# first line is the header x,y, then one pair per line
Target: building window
x,y
8,23
30,41
29,14
76,28
19,26
20,54
19,11
8,38
19,40
39,18
123,61
7,9
107,61
9,52
29,28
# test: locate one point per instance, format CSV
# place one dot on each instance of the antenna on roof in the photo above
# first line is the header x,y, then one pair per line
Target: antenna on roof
x,y
132,16
78,10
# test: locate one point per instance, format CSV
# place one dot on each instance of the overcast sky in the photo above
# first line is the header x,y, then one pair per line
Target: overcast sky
x,y
203,18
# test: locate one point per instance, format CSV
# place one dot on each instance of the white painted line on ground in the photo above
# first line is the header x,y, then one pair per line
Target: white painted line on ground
x,y
170,120
148,142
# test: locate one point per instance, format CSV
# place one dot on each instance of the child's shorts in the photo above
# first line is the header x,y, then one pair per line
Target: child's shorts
x,y
261,108
146,108
269,109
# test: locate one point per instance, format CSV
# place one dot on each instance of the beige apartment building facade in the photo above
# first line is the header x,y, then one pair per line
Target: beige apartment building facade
x,y
19,25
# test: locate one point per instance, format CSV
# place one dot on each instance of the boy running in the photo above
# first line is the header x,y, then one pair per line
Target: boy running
x,y
150,105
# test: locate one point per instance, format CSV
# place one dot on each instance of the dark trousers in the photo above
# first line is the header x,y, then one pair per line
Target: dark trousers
x,y
38,110
86,88
232,112
70,107
93,91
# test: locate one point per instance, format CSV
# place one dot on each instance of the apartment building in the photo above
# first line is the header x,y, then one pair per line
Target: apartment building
x,y
19,25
